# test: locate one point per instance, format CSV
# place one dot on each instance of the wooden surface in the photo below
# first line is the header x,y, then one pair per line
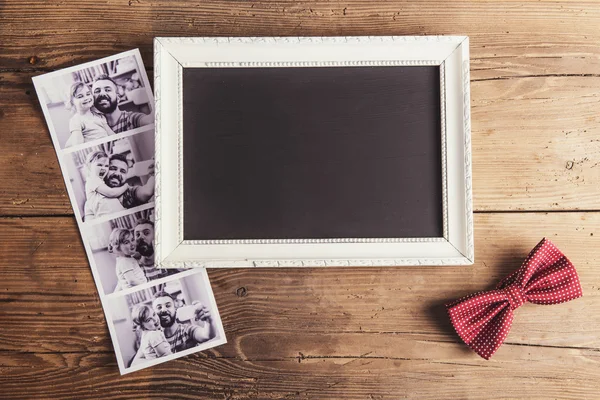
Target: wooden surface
x,y
364,333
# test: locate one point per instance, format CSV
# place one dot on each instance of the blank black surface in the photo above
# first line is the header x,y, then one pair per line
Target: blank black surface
x,y
341,152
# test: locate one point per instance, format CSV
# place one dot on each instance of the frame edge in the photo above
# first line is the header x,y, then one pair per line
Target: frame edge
x,y
164,251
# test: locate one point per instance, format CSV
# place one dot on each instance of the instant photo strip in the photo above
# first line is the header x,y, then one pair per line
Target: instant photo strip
x,y
101,119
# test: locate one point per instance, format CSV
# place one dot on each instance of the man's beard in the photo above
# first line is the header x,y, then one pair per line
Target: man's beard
x,y
144,248
103,108
166,319
108,180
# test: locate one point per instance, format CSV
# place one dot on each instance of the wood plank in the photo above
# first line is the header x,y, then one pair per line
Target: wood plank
x,y
535,146
32,183
532,374
47,287
507,37
358,333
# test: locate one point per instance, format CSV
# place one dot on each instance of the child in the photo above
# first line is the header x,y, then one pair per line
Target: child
x,y
129,272
95,188
132,84
153,342
87,123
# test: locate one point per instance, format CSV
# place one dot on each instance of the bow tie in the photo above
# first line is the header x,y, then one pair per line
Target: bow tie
x,y
482,320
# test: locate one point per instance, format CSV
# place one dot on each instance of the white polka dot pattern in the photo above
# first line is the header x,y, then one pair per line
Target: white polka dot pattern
x,y
482,320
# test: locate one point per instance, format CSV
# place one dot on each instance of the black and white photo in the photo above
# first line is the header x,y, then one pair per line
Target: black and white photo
x,y
123,251
97,101
168,320
101,119
112,176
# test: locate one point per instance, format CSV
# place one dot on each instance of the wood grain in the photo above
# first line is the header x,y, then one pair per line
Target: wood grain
x,y
356,333
507,37
62,307
531,374
536,143
32,183
535,146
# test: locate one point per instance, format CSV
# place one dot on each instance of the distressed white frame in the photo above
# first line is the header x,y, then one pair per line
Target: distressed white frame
x,y
450,53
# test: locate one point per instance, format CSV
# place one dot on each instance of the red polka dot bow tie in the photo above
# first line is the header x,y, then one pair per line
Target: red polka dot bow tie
x,y
482,320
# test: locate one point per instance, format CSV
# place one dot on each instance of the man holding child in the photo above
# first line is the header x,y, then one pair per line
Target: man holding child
x,y
115,177
96,112
181,335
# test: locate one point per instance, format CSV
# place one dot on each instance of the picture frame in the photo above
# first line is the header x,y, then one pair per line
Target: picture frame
x,y
186,218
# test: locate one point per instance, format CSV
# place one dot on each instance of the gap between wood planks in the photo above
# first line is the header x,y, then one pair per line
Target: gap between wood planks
x,y
150,70
28,216
301,356
503,78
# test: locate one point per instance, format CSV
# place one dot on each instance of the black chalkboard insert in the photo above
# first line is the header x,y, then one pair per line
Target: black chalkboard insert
x,y
293,153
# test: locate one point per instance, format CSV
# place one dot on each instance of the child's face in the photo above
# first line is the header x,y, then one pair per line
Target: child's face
x,y
83,99
127,246
99,167
151,323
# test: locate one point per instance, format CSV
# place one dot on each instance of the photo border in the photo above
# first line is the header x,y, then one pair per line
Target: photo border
x,y
39,82
209,344
87,228
68,153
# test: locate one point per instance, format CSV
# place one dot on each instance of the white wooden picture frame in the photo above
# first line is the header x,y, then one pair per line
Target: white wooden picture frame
x,y
450,53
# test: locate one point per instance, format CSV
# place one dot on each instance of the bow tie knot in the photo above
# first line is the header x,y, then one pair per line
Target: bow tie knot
x,y
515,295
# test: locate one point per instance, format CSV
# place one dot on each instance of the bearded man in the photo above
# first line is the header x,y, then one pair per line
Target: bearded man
x,y
104,90
134,196
143,234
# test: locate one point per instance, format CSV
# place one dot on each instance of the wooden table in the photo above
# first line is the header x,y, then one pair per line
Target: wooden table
x,y
360,333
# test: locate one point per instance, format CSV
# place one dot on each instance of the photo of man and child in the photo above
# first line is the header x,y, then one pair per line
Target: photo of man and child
x,y
98,101
123,251
100,116
112,176
170,318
